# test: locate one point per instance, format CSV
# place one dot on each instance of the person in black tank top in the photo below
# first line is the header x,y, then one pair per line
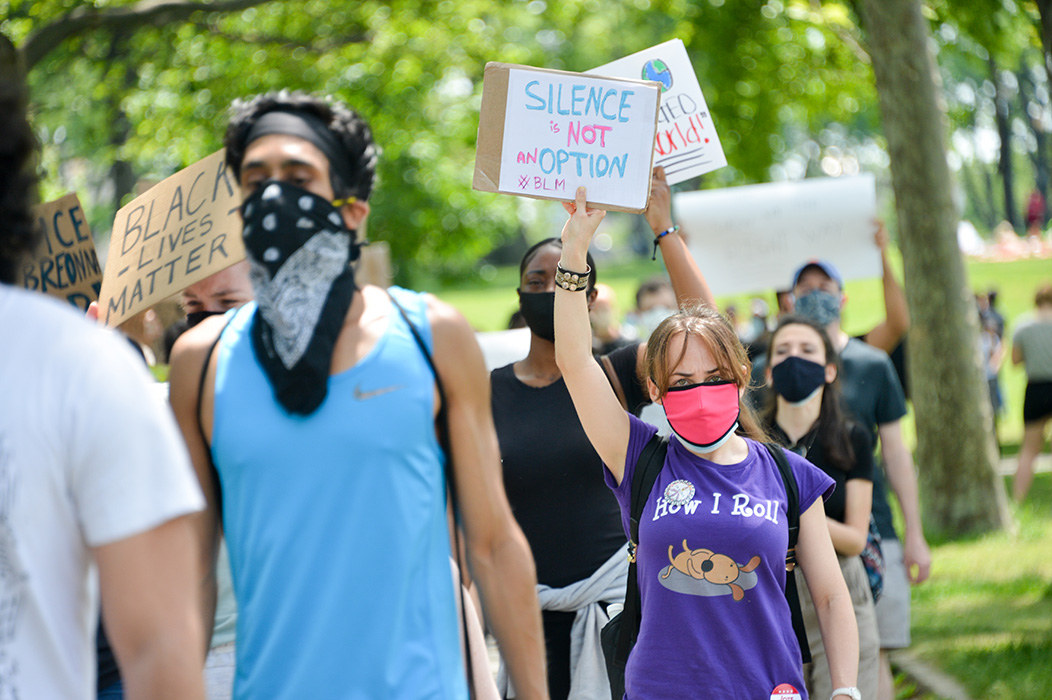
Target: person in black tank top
x,y
552,475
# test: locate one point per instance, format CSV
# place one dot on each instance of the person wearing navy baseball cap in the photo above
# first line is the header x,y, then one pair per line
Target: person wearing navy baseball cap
x,y
825,266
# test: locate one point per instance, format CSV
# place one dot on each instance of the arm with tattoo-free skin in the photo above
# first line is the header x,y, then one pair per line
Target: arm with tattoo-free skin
x,y
898,465
836,616
184,377
687,281
849,537
149,597
889,332
498,555
602,416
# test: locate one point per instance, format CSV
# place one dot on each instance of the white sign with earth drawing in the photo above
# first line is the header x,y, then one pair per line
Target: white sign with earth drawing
x,y
752,238
686,144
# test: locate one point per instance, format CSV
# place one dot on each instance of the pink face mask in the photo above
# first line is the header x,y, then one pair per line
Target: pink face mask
x,y
704,416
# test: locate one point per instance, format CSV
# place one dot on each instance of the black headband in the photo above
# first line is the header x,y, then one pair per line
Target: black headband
x,y
309,128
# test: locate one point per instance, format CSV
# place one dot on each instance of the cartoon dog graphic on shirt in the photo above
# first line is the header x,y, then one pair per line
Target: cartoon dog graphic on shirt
x,y
706,565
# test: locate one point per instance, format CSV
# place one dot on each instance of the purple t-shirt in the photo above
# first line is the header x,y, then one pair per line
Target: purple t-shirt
x,y
711,567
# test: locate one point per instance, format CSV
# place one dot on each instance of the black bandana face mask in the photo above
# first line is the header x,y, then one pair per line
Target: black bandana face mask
x,y
299,251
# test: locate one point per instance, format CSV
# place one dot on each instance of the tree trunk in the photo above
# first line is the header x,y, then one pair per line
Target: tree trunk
x,y
955,446
1044,9
1004,133
1039,156
972,179
122,174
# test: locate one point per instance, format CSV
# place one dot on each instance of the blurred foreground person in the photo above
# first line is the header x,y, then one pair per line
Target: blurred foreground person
x,y
92,475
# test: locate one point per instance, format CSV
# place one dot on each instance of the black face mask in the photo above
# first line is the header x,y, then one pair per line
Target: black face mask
x,y
195,317
299,252
538,310
796,379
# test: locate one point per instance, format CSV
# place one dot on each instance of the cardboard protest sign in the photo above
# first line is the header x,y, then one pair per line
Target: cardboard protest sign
x,y
543,133
752,238
179,232
64,263
687,144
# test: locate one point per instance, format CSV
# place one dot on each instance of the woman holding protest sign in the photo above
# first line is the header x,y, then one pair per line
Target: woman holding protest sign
x,y
552,474
805,415
713,535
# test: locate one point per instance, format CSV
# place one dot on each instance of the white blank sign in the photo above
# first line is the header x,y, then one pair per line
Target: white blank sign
x,y
752,238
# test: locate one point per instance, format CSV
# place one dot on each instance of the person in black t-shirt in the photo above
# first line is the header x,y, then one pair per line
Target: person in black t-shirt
x,y
804,414
552,475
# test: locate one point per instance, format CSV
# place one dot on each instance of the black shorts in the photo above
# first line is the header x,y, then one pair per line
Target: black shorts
x,y
1037,403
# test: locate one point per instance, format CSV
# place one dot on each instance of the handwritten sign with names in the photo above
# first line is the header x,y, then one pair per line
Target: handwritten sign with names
x,y
753,238
64,263
559,130
686,144
179,232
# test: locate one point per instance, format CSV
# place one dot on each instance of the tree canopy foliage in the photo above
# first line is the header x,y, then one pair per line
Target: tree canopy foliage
x,y
129,92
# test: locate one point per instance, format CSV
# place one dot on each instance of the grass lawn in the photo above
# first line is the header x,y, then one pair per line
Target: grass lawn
x,y
985,615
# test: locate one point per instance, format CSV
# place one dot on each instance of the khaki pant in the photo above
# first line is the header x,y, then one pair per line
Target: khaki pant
x,y
816,673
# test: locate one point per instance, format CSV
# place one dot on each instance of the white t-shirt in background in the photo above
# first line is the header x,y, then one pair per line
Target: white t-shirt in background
x,y
88,456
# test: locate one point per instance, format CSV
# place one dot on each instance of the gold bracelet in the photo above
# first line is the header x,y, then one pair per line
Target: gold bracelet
x,y
572,281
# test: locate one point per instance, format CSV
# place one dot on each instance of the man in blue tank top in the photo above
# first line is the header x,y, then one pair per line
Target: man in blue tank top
x,y
317,407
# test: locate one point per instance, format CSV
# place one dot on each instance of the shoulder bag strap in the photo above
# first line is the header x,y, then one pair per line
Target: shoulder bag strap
x,y
792,596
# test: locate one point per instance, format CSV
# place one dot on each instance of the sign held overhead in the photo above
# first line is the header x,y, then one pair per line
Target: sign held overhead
x,y
543,133
686,144
752,238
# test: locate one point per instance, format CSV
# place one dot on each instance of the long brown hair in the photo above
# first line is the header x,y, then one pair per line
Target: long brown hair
x,y
715,332
834,428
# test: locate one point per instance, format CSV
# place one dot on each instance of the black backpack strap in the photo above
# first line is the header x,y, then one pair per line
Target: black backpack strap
x,y
650,463
648,466
443,415
216,486
792,506
443,440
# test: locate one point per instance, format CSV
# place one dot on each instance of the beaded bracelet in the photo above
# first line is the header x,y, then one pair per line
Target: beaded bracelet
x,y
658,237
572,281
